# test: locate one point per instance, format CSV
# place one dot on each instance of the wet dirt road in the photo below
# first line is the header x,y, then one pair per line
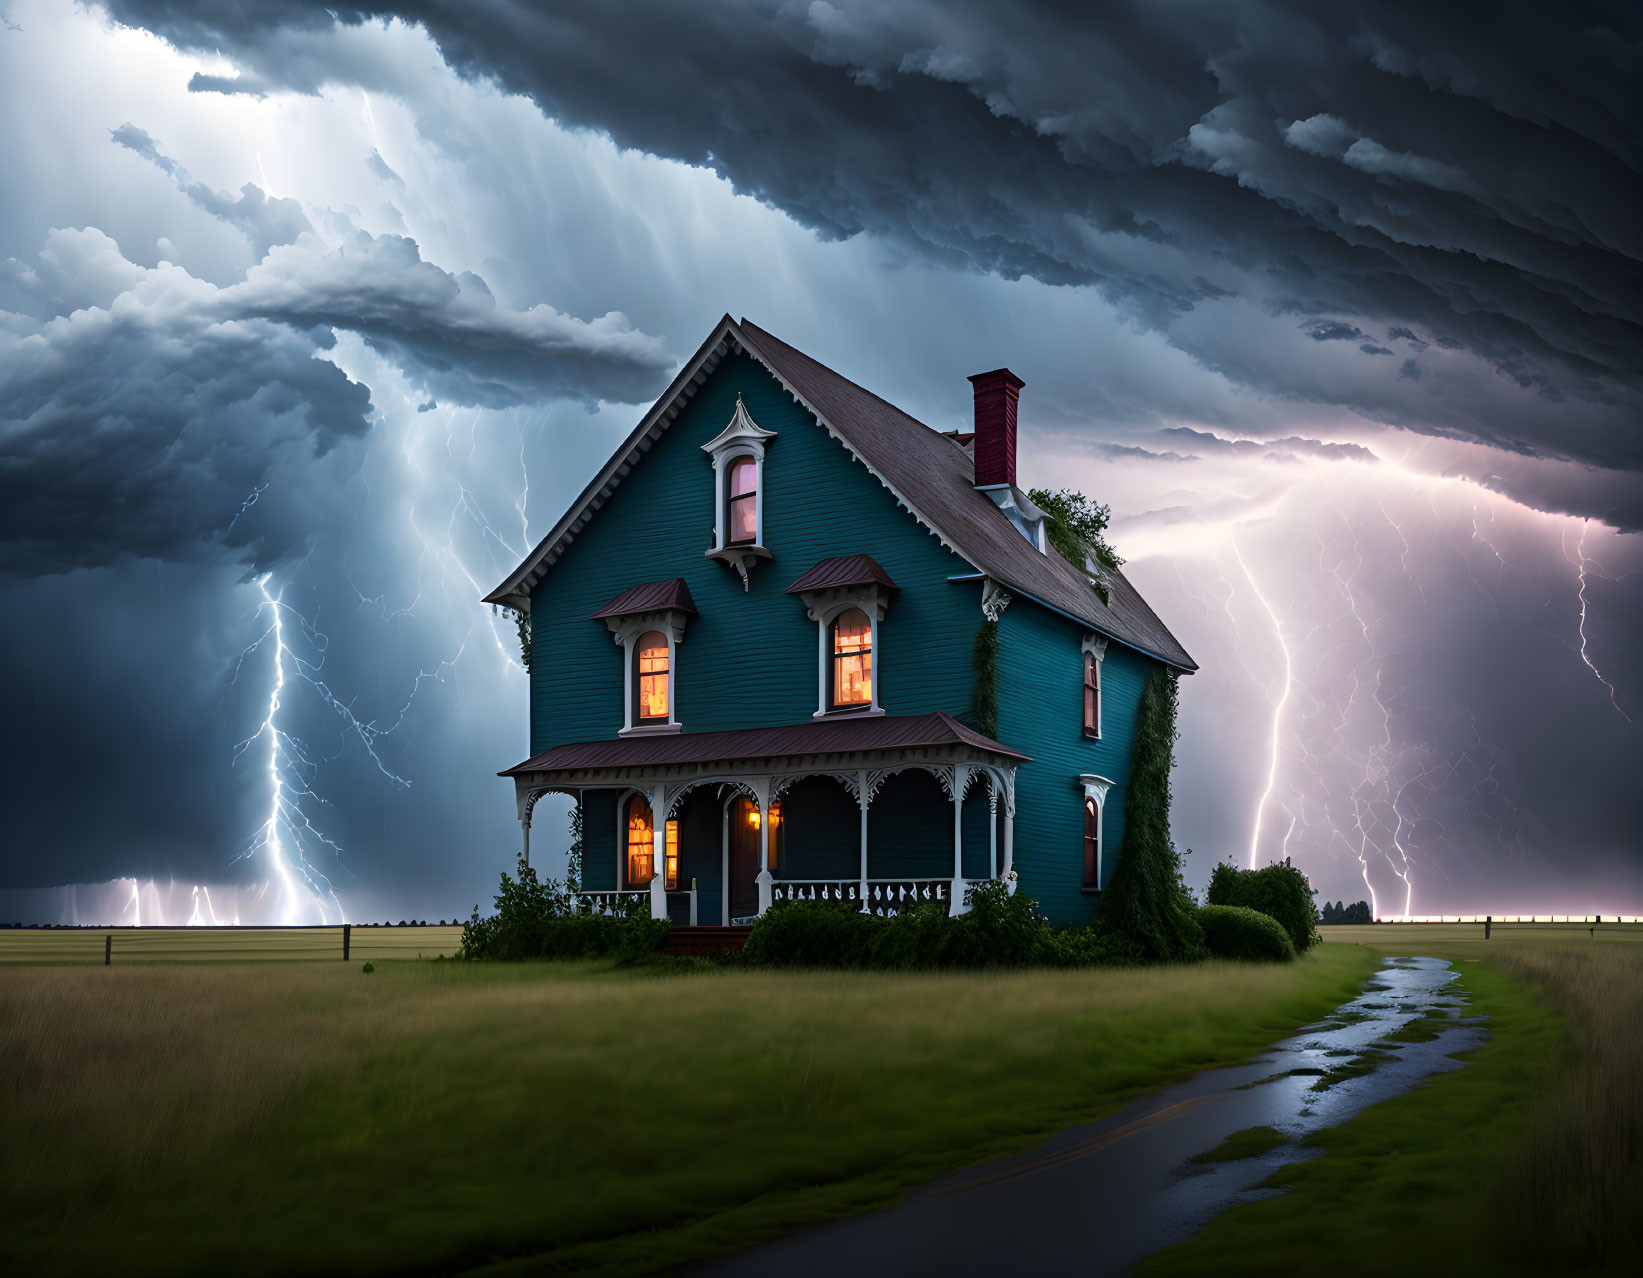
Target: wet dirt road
x,y
1093,1200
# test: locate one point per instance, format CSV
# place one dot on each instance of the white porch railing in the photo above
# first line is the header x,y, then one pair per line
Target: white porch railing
x,y
625,901
883,896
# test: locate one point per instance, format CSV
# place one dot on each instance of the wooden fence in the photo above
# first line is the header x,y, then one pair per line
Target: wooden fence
x,y
227,944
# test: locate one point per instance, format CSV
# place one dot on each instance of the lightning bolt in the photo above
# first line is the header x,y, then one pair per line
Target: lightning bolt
x,y
1277,710
1362,753
287,834
1580,551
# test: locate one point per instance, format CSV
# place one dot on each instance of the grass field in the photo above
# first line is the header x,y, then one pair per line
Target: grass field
x,y
1529,1161
271,1117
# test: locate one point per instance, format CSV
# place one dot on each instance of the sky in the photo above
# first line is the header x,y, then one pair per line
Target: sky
x,y
313,321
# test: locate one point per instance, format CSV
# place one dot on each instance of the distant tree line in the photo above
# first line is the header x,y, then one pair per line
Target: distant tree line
x,y
1357,912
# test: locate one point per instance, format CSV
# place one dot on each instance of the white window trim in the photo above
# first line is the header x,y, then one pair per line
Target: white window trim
x,y
626,631
824,607
1096,788
743,437
1094,646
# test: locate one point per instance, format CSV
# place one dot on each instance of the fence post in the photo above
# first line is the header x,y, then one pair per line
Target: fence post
x,y
1488,922
347,930
108,949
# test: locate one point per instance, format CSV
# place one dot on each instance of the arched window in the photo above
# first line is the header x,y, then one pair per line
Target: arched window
x,y
852,673
641,843
650,668
1092,843
742,501
1092,695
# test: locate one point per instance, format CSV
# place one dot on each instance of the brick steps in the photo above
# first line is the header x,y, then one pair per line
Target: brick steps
x,y
701,942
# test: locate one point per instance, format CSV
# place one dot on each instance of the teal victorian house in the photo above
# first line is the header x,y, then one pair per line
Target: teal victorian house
x,y
792,643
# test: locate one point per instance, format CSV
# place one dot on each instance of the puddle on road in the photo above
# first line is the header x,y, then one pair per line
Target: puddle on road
x,y
1097,1198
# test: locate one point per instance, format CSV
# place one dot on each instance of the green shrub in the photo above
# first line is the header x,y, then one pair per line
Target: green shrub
x,y
998,930
1238,932
1279,890
811,934
536,918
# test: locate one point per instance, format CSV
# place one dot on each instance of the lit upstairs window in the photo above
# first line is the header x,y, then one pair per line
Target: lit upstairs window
x,y
852,660
650,663
742,502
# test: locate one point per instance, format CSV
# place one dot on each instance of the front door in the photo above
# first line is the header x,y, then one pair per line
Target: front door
x,y
744,859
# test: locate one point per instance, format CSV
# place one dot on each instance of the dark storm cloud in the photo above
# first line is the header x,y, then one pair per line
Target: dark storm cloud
x,y
1468,171
1201,443
139,407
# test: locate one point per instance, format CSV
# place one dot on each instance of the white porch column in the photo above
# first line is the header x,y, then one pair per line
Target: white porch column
x,y
766,880
992,826
1009,827
525,851
863,800
961,774
658,855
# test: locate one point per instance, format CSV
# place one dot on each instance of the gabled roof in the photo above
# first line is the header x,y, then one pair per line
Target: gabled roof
x,y
841,735
653,596
929,473
847,570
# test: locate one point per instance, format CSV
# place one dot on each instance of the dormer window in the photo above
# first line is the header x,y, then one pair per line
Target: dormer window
x,y
738,503
852,683
742,502
652,662
648,624
846,598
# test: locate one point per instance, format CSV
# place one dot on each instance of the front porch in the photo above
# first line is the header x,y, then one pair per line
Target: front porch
x,y
711,829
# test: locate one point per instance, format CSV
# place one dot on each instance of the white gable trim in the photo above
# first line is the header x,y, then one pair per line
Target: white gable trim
x,y
727,338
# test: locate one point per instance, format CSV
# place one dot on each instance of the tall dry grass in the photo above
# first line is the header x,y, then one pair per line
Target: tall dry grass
x,y
1573,1194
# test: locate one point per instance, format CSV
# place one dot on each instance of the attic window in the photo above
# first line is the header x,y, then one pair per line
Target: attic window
x,y
738,503
742,502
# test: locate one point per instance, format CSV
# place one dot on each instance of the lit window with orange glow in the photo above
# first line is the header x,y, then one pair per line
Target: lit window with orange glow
x,y
670,872
742,501
852,660
650,661
641,843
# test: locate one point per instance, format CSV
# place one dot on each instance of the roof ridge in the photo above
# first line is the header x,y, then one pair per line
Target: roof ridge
x,y
746,323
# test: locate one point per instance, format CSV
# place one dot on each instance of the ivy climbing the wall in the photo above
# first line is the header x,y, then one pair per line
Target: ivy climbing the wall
x,y
1146,902
984,658
522,621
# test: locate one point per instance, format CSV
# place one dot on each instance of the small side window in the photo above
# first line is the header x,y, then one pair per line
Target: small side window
x,y
1092,843
1092,696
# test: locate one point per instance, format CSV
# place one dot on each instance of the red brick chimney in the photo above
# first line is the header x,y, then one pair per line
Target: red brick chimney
x,y
996,395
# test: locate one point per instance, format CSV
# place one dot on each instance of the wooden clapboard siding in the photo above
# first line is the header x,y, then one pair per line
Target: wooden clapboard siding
x,y
749,658
1041,682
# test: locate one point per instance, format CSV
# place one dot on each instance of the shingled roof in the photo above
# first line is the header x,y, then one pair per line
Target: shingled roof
x,y
842,734
930,473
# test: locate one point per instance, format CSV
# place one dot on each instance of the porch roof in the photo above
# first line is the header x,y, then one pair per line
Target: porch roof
x,y
844,735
